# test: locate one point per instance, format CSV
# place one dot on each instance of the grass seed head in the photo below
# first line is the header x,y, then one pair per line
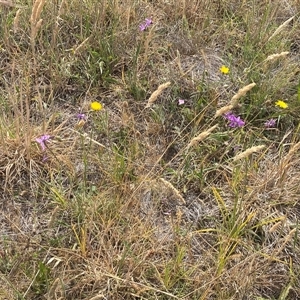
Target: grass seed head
x,y
277,56
248,152
241,92
156,93
172,188
201,136
223,110
281,27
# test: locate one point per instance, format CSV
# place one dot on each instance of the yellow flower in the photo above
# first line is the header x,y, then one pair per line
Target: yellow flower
x,y
281,104
96,105
224,70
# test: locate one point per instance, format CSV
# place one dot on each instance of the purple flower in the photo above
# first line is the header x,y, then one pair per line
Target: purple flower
x,y
270,123
81,117
148,22
234,120
143,26
236,148
181,101
42,140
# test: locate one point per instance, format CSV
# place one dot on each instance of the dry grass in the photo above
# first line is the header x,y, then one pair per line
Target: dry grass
x,y
157,93
166,202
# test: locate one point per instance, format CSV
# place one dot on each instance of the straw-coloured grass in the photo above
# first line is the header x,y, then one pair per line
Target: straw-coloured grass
x,y
203,135
277,56
223,110
35,20
234,100
173,189
248,152
241,92
281,27
157,93
151,196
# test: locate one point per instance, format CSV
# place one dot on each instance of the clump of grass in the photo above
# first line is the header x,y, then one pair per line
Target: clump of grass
x,y
108,192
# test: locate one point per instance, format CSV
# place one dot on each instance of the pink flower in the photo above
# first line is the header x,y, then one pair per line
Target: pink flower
x,y
42,141
143,26
181,101
148,22
270,123
81,116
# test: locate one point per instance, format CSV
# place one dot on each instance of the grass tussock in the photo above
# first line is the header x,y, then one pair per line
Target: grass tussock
x,y
195,197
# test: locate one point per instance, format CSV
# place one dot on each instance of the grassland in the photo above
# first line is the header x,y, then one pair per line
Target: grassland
x,y
182,182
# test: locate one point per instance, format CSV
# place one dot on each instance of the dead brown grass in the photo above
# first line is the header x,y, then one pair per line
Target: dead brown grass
x,y
116,207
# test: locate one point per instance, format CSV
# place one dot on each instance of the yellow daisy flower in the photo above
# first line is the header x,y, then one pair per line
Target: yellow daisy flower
x,y
281,104
96,105
224,70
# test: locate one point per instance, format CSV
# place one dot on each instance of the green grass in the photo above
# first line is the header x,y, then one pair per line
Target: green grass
x,y
157,201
